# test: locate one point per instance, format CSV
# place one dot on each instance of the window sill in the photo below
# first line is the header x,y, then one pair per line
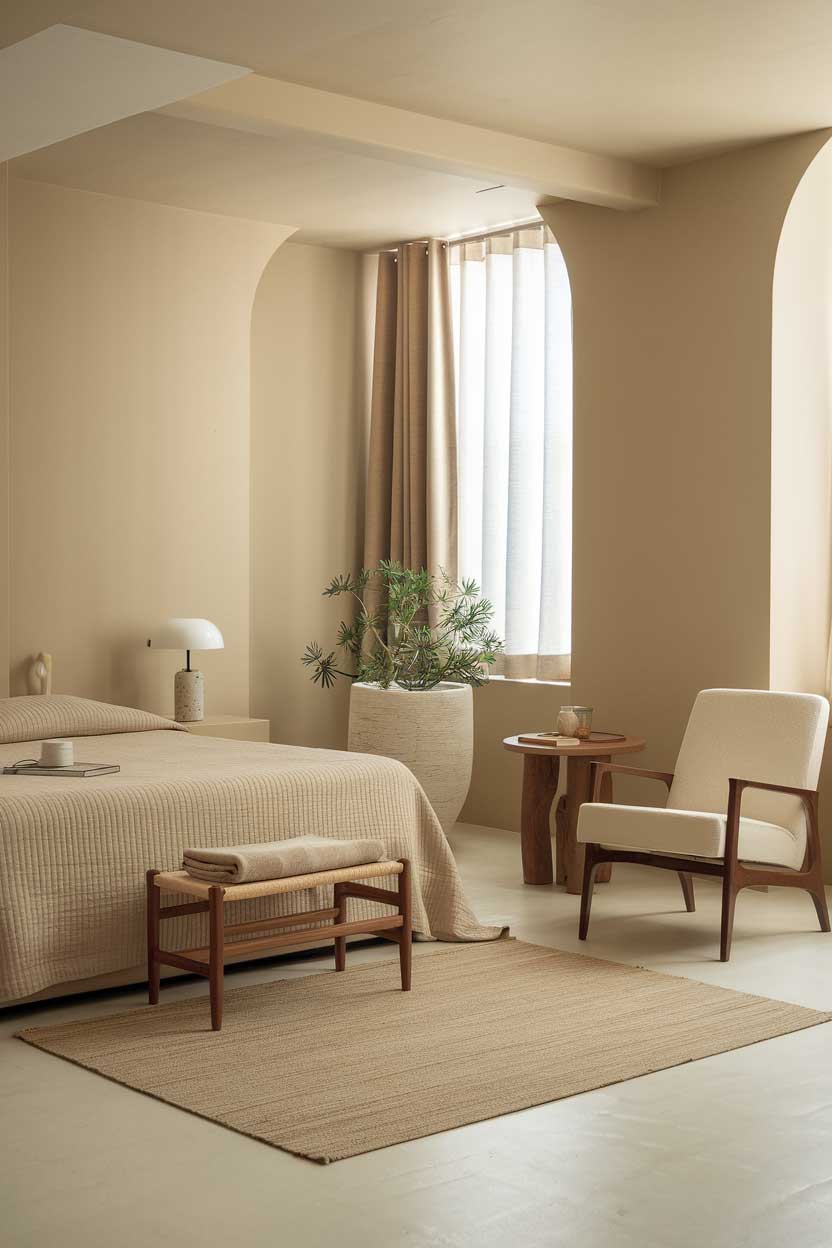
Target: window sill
x,y
531,680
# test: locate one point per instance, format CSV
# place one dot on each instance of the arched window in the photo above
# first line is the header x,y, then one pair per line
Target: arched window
x,y
512,323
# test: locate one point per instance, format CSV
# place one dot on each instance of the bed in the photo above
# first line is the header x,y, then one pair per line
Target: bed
x,y
73,852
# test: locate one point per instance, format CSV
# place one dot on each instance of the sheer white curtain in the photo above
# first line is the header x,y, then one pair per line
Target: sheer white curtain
x,y
512,322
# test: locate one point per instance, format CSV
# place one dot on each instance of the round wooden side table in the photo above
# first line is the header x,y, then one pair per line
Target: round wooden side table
x,y
541,767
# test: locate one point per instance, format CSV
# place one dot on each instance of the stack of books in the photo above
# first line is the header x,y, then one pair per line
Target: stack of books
x,y
558,741
547,738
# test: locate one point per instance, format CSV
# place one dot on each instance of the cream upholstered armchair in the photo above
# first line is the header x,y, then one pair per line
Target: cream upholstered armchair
x,y
742,804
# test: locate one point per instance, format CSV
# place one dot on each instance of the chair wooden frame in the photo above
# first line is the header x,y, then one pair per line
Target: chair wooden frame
x,y
735,874
209,961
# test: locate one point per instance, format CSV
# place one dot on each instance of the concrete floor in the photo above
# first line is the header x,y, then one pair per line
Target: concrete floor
x,y
731,1152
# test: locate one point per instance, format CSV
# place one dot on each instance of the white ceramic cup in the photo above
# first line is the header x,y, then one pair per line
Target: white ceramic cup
x,y
56,753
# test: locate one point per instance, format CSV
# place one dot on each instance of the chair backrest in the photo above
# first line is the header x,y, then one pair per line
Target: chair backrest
x,y
753,734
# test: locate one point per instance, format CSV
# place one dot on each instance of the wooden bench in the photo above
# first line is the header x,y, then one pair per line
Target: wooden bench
x,y
210,960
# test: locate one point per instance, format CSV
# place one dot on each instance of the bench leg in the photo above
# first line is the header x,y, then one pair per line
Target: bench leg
x,y
153,967
406,911
339,901
215,965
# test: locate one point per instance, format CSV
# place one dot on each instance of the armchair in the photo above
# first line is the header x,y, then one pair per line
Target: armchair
x,y
733,736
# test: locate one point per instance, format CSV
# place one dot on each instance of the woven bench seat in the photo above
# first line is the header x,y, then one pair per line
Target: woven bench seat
x,y
181,882
310,926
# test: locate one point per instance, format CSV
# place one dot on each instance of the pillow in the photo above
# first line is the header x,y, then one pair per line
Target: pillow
x,y
38,716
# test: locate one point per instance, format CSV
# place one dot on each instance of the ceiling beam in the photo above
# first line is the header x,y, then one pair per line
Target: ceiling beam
x,y
269,106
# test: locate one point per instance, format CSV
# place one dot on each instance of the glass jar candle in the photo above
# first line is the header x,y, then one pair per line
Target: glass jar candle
x,y
567,722
583,722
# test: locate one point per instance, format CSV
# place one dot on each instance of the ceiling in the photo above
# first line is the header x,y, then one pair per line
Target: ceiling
x,y
40,99
657,82
660,81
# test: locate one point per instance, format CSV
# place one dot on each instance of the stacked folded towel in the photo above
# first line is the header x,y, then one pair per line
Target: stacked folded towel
x,y
274,860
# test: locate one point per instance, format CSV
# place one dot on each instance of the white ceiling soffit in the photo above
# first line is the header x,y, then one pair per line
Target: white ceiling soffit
x,y
334,197
267,106
64,81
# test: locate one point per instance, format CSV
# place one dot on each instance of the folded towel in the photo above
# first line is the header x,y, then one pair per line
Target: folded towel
x,y
274,860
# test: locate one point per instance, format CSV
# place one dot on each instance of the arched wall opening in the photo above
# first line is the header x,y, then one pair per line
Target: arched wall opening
x,y
309,416
188,438
128,475
801,436
672,453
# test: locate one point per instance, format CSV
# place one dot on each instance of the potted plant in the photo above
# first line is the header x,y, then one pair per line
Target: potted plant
x,y
414,650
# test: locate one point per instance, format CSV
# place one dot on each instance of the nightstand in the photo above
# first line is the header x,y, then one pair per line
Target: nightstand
x,y
236,727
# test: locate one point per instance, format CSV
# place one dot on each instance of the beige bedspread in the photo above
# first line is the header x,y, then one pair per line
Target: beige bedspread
x,y
73,852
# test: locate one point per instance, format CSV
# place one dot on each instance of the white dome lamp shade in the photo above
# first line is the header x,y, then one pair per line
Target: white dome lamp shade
x,y
189,686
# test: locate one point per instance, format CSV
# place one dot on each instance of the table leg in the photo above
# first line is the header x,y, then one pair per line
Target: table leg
x,y
560,841
540,784
578,791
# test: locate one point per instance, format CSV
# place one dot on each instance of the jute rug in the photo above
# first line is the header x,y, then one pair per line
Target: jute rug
x,y
333,1065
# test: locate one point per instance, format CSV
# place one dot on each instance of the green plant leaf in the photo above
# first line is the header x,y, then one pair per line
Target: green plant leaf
x,y
391,641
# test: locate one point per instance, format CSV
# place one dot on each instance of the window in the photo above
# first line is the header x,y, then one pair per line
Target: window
x,y
512,323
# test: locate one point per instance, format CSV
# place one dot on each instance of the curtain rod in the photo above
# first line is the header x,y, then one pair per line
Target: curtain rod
x,y
506,228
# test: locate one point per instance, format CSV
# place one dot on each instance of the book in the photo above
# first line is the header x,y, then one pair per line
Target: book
x,y
556,740
77,769
547,738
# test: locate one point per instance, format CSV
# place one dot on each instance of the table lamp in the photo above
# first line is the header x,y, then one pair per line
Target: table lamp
x,y
188,685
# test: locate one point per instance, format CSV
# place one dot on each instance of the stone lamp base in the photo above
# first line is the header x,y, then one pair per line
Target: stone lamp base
x,y
188,696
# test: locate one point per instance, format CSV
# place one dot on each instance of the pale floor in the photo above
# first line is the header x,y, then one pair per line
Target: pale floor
x,y
731,1152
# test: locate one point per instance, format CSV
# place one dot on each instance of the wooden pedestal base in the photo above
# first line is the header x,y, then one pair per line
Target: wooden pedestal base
x,y
541,770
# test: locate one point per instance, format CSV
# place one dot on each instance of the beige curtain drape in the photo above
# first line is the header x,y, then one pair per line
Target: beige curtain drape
x,y
411,508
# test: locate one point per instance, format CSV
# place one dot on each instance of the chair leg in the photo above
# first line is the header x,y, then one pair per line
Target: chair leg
x,y
814,863
821,908
686,881
729,898
406,934
590,867
339,901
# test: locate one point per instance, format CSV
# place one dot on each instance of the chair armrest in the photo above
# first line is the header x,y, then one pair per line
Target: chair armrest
x,y
736,788
599,770
739,785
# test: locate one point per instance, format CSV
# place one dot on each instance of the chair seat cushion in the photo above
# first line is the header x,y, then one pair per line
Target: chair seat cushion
x,y
689,833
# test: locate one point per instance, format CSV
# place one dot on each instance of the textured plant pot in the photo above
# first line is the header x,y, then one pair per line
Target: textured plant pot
x,y
431,732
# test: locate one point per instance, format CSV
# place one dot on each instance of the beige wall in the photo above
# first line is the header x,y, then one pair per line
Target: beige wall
x,y
130,465
4,430
308,446
801,408
672,455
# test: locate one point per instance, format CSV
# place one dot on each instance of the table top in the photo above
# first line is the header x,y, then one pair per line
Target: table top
x,y
587,749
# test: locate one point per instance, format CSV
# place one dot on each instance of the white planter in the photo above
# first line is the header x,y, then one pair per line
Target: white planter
x,y
431,732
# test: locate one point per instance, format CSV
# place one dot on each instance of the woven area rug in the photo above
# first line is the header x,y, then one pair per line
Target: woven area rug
x,y
331,1065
